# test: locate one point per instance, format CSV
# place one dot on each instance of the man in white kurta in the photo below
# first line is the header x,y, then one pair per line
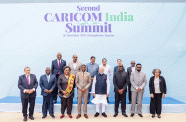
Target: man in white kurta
x,y
100,90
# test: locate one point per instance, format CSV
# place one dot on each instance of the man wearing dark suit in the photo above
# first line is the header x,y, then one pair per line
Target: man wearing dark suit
x,y
47,83
120,81
116,68
57,70
130,69
27,84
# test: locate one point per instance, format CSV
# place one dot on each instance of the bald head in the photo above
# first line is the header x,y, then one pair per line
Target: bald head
x,y
132,63
101,70
120,67
59,56
48,70
74,57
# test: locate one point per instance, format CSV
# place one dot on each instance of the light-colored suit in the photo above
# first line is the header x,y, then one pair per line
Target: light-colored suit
x,y
137,79
77,68
83,83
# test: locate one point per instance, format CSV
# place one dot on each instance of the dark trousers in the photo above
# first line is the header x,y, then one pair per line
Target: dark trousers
x,y
129,92
48,105
66,103
118,98
55,92
155,104
25,102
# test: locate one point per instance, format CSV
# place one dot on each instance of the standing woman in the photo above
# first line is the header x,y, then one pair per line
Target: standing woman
x,y
66,86
157,87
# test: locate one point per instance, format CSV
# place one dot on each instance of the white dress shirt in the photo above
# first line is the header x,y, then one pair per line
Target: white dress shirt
x,y
133,69
107,70
48,77
75,64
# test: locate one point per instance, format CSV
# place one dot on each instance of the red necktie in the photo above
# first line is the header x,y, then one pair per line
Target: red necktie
x,y
28,80
59,67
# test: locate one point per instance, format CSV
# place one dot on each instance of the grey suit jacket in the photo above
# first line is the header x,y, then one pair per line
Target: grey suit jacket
x,y
83,83
138,79
77,69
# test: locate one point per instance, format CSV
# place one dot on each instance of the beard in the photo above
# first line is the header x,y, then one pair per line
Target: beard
x,y
139,70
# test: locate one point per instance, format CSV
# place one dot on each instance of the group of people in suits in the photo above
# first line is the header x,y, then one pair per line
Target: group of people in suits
x,y
60,80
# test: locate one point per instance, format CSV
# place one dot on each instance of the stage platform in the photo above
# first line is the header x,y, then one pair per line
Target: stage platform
x,y
170,105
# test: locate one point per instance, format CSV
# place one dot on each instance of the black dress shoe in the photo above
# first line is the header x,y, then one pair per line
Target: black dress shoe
x,y
159,116
103,114
96,115
153,115
124,114
44,116
130,102
25,119
31,117
115,115
140,115
132,115
52,116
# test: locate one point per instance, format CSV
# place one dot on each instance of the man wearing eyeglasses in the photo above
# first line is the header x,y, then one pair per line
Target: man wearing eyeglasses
x,y
130,69
138,82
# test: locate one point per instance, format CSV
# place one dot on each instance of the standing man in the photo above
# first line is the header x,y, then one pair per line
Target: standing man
x,y
57,70
92,68
130,69
27,84
75,65
48,83
107,70
83,82
116,68
120,81
138,82
100,90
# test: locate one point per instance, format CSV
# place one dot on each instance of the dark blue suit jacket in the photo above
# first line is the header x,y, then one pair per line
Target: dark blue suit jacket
x,y
23,84
55,68
44,84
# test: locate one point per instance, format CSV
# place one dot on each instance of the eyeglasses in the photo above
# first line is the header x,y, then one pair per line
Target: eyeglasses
x,y
133,63
138,67
120,66
156,72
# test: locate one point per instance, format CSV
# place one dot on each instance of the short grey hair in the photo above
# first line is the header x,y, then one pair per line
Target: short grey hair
x,y
154,70
26,68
